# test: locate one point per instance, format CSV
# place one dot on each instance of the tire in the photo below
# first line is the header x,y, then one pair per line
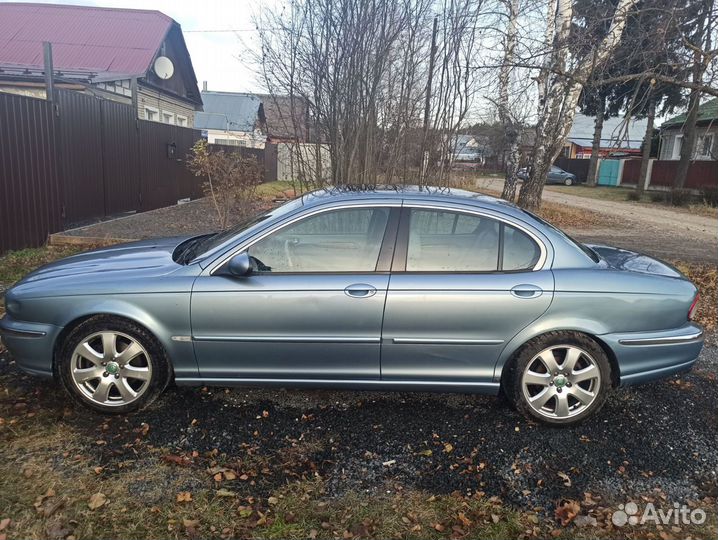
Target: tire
x,y
112,365
570,396
568,182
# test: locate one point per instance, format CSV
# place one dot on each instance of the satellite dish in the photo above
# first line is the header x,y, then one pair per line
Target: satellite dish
x,y
164,68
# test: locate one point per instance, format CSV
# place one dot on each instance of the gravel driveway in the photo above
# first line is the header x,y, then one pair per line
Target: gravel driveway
x,y
661,232
660,436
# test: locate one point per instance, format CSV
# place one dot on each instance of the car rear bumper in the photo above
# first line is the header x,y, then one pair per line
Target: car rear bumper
x,y
647,356
30,344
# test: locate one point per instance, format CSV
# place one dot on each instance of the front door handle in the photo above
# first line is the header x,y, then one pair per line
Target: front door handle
x,y
360,290
526,291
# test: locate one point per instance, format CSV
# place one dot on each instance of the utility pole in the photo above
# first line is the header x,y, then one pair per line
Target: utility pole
x,y
427,104
49,81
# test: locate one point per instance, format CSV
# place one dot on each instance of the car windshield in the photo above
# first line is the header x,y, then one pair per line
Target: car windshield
x,y
198,246
587,250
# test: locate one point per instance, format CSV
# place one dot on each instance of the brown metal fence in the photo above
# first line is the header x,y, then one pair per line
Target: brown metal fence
x,y
579,167
701,174
83,158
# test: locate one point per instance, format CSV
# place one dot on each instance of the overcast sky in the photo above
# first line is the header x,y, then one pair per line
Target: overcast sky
x,y
219,34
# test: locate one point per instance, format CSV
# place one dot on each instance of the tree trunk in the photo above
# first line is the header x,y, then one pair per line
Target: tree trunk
x,y
596,146
647,141
689,127
511,133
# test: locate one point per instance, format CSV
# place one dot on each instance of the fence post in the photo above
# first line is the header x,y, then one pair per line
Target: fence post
x,y
619,174
648,174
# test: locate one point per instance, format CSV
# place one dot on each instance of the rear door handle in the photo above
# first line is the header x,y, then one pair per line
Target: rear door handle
x,y
526,291
360,290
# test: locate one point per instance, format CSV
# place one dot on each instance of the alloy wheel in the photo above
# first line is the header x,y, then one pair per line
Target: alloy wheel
x,y
111,368
561,382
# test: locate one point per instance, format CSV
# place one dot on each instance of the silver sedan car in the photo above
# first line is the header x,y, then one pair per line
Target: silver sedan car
x,y
401,289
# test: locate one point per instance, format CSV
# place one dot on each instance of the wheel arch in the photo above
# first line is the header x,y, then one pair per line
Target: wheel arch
x,y
510,352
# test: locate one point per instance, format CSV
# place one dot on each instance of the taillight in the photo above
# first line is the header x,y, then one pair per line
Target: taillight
x,y
692,309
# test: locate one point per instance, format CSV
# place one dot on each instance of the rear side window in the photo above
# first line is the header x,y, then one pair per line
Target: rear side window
x,y
446,241
451,242
520,251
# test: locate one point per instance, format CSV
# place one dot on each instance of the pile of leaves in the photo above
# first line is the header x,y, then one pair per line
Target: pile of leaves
x,y
705,277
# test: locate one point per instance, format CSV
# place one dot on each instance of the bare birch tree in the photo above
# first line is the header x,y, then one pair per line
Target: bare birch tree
x,y
561,79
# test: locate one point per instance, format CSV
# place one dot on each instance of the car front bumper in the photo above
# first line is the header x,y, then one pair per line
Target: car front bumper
x,y
31,344
647,356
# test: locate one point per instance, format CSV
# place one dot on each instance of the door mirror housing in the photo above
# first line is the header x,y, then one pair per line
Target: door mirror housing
x,y
240,265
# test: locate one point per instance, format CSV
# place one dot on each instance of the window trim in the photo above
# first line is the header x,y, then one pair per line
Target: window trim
x,y
386,249
154,111
402,243
179,117
171,115
701,156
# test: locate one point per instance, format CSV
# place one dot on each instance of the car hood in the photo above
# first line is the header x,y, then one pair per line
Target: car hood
x,y
632,261
146,258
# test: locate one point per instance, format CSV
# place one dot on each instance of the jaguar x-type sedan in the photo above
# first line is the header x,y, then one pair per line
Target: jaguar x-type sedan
x,y
397,289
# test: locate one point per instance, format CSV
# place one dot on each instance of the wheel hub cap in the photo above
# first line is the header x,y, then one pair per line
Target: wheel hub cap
x,y
112,368
559,381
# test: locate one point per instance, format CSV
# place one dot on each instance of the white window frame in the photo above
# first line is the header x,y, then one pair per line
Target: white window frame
x,y
676,152
182,118
699,145
171,117
153,110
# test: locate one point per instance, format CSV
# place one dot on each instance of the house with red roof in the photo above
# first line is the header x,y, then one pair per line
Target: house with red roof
x,y
132,56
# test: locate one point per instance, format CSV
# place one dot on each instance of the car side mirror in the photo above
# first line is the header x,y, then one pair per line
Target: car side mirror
x,y
240,265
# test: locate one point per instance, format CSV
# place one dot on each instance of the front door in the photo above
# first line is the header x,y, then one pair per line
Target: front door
x,y
463,286
311,308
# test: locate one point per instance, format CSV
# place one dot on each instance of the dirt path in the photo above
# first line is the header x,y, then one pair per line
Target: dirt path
x,y
657,231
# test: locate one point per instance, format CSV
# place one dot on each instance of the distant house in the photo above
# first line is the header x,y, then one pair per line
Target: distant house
x,y
109,52
618,137
252,120
706,147
474,148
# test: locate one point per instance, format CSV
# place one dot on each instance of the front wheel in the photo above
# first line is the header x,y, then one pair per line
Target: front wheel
x,y
112,365
560,378
568,182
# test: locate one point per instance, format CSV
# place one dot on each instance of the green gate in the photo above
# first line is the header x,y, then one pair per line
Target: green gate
x,y
608,172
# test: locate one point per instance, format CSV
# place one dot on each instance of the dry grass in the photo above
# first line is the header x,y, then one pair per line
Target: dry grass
x,y
705,277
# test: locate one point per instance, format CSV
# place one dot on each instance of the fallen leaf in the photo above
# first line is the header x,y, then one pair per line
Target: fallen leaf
x,y
565,478
448,448
184,496
190,523
98,470
225,493
272,500
96,500
4,523
567,511
426,453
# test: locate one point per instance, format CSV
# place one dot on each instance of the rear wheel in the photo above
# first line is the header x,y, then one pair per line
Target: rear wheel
x,y
112,365
560,378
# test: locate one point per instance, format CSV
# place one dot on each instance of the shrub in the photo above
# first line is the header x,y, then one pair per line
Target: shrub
x,y
633,196
231,180
679,197
659,196
710,196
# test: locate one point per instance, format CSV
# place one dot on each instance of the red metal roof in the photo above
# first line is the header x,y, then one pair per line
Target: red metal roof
x,y
99,40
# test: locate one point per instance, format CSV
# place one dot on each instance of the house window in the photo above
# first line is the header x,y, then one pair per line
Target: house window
x,y
677,144
704,146
152,114
230,142
168,118
181,121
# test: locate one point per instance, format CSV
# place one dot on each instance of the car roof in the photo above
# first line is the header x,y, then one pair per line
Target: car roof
x,y
409,192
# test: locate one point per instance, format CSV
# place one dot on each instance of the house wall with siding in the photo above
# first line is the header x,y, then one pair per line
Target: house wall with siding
x,y
668,140
148,97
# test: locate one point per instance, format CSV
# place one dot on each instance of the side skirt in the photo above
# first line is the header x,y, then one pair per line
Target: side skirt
x,y
489,388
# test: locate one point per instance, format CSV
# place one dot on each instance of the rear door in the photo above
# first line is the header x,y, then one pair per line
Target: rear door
x,y
462,285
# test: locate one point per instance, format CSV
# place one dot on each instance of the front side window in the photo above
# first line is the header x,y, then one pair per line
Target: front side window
x,y
346,240
446,241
